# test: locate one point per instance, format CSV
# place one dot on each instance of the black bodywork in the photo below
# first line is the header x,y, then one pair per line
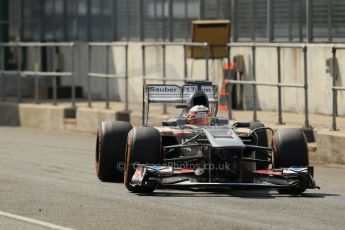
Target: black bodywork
x,y
221,155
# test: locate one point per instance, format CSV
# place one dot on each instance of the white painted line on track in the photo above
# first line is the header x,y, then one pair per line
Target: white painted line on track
x,y
33,221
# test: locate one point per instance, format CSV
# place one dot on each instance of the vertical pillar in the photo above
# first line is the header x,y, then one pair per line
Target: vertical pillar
x,y
280,119
155,18
253,26
2,69
202,9
171,20
207,51
73,75
141,20
126,78
254,85
185,62
309,21
164,75
330,20
89,94
36,76
334,91
269,20
144,83
186,21
107,80
89,20
306,102
19,77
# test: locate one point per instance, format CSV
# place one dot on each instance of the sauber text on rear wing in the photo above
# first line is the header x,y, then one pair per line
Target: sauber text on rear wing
x,y
177,94
163,93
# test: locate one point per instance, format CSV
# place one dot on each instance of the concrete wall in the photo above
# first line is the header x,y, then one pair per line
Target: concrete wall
x,y
320,82
154,60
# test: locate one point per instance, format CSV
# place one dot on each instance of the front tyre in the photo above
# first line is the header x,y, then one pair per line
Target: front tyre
x,y
290,149
143,147
110,150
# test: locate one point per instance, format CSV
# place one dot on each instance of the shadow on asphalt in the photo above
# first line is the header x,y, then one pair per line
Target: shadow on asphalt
x,y
236,193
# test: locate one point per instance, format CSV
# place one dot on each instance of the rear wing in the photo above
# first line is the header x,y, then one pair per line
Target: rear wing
x,y
170,93
159,93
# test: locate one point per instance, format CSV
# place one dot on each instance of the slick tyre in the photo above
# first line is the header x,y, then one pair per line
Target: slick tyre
x,y
143,147
110,150
290,149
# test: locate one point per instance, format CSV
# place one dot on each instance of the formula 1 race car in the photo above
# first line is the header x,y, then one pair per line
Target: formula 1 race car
x,y
199,150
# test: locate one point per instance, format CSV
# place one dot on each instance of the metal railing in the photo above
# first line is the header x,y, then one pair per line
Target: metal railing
x,y
165,78
163,45
279,85
107,75
335,88
36,73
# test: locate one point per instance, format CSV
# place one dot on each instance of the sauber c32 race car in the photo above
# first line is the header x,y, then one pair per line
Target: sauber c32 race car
x,y
185,154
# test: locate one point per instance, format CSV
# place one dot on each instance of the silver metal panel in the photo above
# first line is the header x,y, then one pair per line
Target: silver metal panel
x,y
223,138
177,94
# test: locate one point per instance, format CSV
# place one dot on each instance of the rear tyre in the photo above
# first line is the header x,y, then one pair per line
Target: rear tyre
x,y
143,147
261,141
290,149
110,150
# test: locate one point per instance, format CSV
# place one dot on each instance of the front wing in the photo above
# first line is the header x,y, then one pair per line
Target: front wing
x,y
177,178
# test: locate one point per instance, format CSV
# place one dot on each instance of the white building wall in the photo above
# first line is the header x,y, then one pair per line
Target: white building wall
x,y
320,82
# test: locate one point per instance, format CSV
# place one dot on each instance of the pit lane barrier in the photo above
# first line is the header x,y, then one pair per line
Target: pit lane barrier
x,y
107,75
53,74
335,88
279,85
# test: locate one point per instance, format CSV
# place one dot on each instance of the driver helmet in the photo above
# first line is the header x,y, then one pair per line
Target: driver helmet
x,y
199,115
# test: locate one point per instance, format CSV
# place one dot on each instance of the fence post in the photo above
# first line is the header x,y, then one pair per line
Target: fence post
x,y
19,78
55,83
228,86
164,75
107,78
89,94
126,78
254,84
3,88
334,91
73,75
306,103
185,62
36,76
144,83
206,47
280,119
